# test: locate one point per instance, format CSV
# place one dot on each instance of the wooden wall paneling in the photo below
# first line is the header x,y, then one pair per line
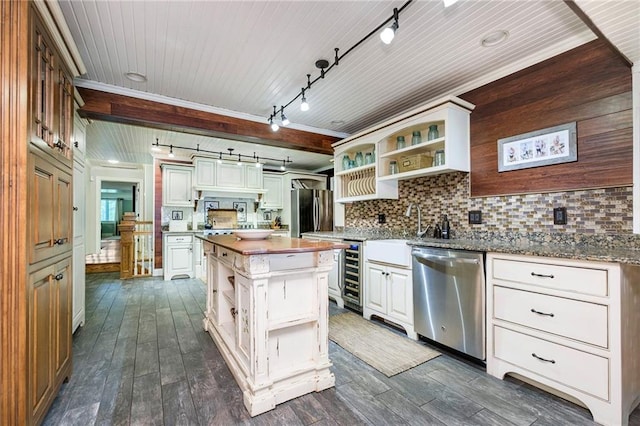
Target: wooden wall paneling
x,y
13,212
588,85
157,215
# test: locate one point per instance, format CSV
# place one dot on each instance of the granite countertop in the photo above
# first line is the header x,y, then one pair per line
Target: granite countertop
x,y
602,248
576,252
270,245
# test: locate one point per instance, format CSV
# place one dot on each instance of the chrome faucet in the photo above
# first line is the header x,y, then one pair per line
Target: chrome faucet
x,y
420,232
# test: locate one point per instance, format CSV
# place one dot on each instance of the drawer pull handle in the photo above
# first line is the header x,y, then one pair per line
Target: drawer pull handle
x,y
533,274
542,313
543,359
58,277
224,254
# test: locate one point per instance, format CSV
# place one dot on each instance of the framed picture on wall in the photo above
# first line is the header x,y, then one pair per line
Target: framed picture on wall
x,y
241,208
176,215
211,205
553,145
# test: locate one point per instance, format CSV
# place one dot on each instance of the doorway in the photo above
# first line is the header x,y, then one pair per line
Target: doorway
x,y
116,199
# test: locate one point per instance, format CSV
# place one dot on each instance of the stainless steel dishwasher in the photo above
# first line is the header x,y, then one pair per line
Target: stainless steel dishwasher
x,y
449,298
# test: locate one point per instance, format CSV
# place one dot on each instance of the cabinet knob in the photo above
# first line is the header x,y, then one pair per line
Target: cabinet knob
x,y
58,277
76,144
58,242
75,209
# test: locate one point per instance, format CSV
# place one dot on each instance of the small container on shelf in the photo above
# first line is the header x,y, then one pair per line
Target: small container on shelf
x,y
438,159
400,143
416,137
433,132
345,161
368,158
359,159
393,167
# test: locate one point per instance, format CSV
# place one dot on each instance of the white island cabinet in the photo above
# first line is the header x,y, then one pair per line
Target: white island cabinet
x,y
267,313
572,327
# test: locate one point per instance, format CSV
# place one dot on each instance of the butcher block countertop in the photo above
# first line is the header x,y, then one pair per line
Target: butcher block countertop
x,y
270,245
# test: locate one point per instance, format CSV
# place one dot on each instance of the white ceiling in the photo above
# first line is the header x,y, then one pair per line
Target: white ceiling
x,y
242,57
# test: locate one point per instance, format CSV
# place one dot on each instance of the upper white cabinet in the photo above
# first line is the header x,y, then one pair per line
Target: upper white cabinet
x,y
273,184
230,175
212,174
205,172
253,177
430,140
177,187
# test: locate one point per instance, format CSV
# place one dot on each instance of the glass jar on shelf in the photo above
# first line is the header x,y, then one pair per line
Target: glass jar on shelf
x,y
416,137
359,159
345,162
393,167
433,132
400,143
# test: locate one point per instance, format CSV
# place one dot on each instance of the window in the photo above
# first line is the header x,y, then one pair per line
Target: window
x,y
108,210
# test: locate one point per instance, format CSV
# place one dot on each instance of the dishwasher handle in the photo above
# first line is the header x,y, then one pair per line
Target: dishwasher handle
x,y
422,257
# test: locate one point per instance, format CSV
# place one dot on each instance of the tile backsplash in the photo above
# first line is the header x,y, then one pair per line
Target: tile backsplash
x,y
595,211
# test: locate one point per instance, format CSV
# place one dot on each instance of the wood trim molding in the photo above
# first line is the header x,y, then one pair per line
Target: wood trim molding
x,y
118,108
14,42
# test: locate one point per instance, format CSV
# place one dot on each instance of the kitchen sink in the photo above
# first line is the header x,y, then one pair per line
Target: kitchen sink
x,y
395,252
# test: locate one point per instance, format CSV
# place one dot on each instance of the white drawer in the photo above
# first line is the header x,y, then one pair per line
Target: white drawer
x,y
580,370
559,277
286,261
179,239
583,321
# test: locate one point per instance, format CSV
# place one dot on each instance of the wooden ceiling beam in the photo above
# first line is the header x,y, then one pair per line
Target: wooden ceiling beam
x,y
116,108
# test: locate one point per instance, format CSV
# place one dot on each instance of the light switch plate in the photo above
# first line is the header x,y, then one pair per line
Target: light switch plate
x,y
475,217
560,216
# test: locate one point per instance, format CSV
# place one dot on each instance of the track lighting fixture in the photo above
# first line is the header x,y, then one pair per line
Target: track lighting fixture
x,y
155,147
304,105
386,36
240,159
272,120
389,33
283,166
283,118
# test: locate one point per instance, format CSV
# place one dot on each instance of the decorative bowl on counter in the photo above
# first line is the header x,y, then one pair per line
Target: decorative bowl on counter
x,y
252,234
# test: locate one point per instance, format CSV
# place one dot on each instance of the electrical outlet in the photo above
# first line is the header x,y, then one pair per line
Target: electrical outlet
x,y
382,218
475,217
560,216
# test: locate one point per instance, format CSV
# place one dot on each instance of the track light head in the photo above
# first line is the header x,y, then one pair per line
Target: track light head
x,y
389,33
171,154
283,118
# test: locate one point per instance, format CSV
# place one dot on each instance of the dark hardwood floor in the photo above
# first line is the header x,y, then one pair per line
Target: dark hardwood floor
x,y
142,358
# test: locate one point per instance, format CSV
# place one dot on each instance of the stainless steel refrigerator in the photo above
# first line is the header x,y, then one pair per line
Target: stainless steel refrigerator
x,y
311,211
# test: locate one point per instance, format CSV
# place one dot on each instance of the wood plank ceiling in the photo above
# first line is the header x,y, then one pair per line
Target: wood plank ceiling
x,y
241,58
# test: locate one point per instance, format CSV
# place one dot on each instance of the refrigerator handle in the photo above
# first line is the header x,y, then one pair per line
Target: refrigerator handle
x,y
316,213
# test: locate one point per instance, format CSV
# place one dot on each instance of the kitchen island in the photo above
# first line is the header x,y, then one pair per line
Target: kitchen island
x,y
267,313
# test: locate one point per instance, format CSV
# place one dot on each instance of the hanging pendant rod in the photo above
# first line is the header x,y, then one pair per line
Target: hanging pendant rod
x,y
225,155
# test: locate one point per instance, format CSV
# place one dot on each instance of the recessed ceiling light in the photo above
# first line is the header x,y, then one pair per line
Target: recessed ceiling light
x,y
337,122
136,76
113,161
494,38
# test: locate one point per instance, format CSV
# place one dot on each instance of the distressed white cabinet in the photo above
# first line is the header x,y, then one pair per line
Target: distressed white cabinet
x,y
253,177
178,255
177,185
230,175
388,294
572,326
204,172
273,184
268,315
335,275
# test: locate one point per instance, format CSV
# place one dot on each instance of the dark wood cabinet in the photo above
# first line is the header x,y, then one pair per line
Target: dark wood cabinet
x,y
49,334
51,207
49,222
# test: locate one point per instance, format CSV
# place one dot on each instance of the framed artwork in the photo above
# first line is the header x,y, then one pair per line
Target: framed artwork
x,y
241,208
176,215
211,205
553,145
